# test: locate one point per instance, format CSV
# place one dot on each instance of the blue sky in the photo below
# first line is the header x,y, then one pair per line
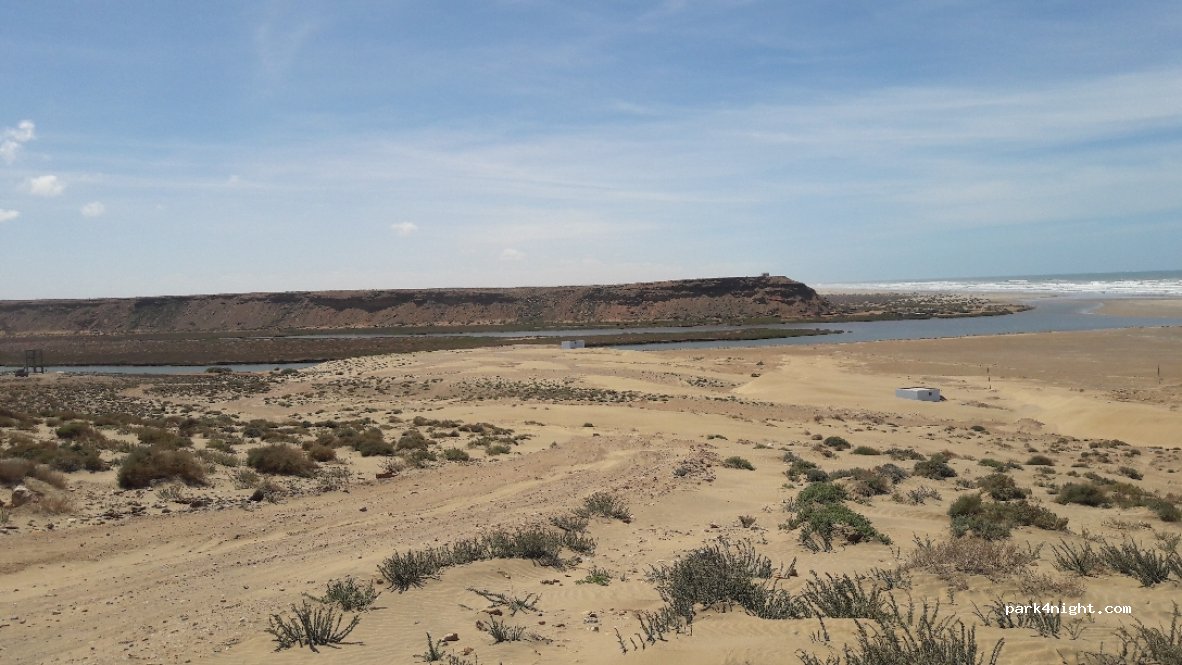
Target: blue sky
x,y
174,147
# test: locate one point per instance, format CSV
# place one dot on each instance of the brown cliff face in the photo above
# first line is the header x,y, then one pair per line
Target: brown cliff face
x,y
692,301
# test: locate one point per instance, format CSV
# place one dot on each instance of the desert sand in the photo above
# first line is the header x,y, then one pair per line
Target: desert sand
x,y
175,583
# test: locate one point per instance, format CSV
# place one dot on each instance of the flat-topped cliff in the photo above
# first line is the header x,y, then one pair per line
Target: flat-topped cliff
x,y
689,301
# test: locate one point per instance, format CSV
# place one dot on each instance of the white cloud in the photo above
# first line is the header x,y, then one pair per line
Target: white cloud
x,y
45,185
8,215
510,254
404,228
93,209
12,139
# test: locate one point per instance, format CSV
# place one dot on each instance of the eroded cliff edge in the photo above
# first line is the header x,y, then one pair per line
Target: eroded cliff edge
x,y
691,301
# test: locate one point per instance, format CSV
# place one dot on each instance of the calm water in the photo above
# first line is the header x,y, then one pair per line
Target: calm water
x,y
1047,316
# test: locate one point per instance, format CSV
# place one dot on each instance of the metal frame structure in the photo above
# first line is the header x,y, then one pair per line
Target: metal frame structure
x,y
34,361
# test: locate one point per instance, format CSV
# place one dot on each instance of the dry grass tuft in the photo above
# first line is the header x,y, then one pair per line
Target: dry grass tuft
x,y
14,471
953,560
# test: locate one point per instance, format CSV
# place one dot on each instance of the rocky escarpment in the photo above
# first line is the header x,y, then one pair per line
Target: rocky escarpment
x,y
725,299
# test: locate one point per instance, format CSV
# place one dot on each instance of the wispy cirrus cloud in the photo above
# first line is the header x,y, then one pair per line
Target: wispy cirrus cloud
x,y
8,215
278,43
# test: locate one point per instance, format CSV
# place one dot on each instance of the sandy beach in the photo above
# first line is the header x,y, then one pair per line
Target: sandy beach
x,y
1141,307
136,576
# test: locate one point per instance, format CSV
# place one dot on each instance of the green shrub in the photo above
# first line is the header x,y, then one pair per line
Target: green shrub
x,y
1148,566
501,632
144,465
892,472
1022,513
994,521
319,453
917,496
77,430
865,450
10,418
310,626
815,476
412,439
822,492
372,447
1084,494
836,443
1002,487
1145,644
14,471
935,467
281,459
67,457
573,523
456,455
865,483
736,462
218,457
515,604
1130,472
597,576
913,638
968,504
498,449
1040,460
349,594
820,522
605,504
845,597
1165,510
902,454
220,445
419,458
1079,559
723,574
543,546
369,443
1127,495
980,527
801,467
155,436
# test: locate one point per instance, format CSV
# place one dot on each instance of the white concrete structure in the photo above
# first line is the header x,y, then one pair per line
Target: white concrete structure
x,y
919,393
574,344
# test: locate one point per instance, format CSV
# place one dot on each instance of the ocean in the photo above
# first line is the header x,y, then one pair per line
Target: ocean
x,y
1119,284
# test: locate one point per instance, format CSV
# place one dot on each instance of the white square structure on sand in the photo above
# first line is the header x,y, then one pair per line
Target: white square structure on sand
x,y
919,393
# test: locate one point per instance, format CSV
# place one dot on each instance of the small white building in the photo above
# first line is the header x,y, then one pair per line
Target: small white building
x,y
919,393
574,344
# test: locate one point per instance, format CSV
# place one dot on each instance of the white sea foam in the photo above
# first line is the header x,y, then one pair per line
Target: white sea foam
x,y
1091,285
